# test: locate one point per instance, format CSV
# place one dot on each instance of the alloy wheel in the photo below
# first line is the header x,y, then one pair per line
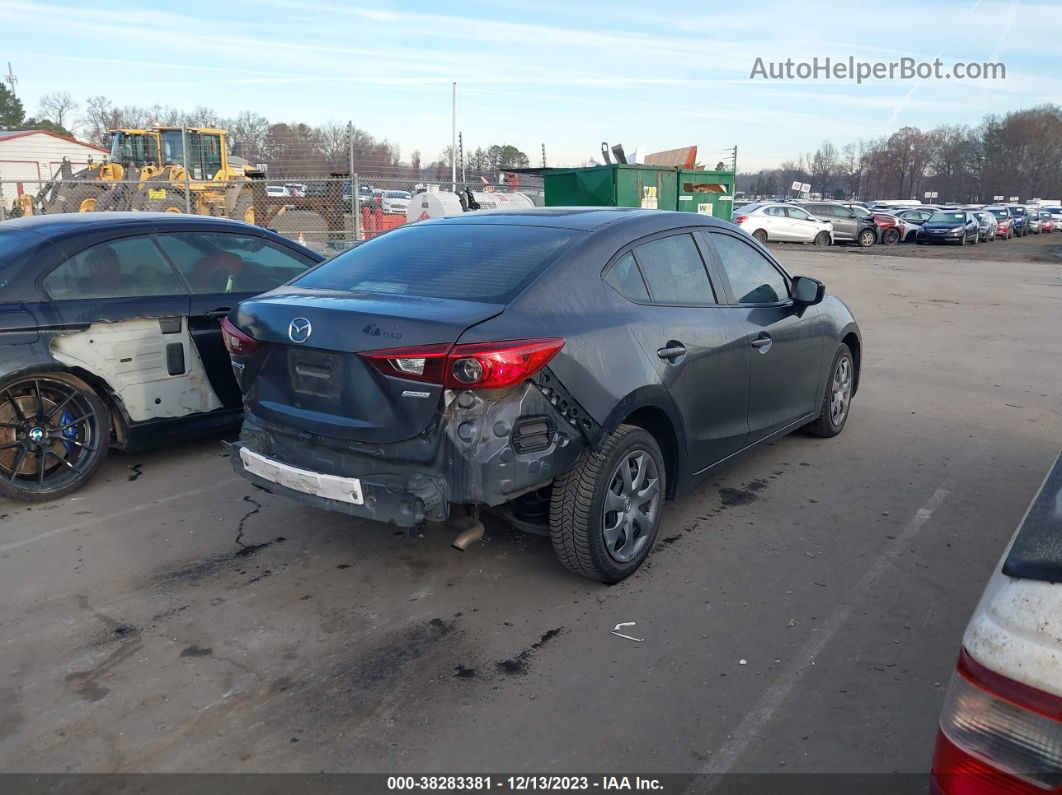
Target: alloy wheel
x,y
841,390
632,505
49,433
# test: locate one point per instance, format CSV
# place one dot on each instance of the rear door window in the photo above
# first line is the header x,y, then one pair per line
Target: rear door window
x,y
124,268
675,271
471,262
216,262
625,278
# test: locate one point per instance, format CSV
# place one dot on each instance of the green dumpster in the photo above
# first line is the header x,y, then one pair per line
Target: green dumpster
x,y
616,185
654,187
706,192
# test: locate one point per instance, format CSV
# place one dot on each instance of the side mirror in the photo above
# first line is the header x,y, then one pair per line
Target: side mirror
x,y
808,291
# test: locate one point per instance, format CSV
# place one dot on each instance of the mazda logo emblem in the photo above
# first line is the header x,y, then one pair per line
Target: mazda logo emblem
x,y
299,329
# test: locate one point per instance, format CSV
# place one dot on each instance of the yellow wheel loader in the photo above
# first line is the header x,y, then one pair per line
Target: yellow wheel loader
x,y
134,155
162,169
197,174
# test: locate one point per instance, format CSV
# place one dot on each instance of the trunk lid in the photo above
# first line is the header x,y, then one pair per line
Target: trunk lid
x,y
321,385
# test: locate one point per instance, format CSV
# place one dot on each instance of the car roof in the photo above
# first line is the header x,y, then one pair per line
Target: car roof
x,y
58,222
581,218
59,226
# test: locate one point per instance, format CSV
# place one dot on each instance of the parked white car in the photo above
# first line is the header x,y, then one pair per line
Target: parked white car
x,y
1001,726
783,223
396,201
277,190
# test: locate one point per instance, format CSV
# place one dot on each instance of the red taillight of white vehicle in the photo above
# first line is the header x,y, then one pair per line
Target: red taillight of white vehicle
x,y
741,219
997,736
236,341
479,365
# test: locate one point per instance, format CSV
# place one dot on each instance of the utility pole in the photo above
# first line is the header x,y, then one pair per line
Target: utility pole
x,y
187,168
355,187
461,155
453,141
543,155
10,78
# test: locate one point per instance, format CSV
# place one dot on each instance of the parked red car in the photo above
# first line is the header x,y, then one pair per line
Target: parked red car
x,y
1047,223
890,228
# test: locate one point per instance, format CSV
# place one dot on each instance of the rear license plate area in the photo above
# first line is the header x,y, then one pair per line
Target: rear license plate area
x,y
317,373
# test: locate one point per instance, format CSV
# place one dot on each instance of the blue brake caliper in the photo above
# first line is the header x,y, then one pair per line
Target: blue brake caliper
x,y
68,433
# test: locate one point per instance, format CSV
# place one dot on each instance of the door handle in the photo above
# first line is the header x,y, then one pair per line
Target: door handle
x,y
673,350
221,311
763,342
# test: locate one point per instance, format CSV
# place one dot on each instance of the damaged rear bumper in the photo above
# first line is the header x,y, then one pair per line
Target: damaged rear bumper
x,y
482,449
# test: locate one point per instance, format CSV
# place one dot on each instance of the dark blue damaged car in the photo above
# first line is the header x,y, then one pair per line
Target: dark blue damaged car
x,y
110,335
569,368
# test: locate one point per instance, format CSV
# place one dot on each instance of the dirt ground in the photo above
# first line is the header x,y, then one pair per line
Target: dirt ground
x,y
1031,248
803,609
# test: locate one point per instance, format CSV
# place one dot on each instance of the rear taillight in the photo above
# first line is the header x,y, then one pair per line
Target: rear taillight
x,y
741,219
237,342
997,735
479,365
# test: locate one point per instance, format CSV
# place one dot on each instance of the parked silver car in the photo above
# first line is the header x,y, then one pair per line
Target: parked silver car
x,y
783,223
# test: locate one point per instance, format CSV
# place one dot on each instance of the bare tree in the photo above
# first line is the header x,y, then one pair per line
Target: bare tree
x,y
100,116
823,164
57,106
247,134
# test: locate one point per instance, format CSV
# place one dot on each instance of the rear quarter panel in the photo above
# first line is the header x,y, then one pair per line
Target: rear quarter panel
x,y
1016,629
601,362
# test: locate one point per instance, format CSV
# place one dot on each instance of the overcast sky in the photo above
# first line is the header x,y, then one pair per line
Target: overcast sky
x,y
568,74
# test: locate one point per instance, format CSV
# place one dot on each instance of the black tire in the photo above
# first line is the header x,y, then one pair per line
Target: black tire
x,y
761,235
62,410
890,237
173,202
822,239
867,238
75,199
828,423
243,210
577,513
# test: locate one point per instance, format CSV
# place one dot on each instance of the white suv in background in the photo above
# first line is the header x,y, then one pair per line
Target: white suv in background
x,y
785,223
1001,726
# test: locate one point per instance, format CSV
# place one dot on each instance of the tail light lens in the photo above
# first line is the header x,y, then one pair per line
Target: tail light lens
x,y
236,341
997,736
480,365
741,219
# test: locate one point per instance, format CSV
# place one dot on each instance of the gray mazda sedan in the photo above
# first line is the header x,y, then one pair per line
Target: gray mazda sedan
x,y
568,368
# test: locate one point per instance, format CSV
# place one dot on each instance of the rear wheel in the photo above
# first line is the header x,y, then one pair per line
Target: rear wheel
x,y
822,239
172,202
244,208
54,435
761,235
890,237
867,238
605,511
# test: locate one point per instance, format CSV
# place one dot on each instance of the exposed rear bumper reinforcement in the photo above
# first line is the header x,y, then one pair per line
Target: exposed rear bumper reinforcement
x,y
381,502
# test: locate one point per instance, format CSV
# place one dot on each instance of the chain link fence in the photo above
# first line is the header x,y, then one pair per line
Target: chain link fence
x,y
326,214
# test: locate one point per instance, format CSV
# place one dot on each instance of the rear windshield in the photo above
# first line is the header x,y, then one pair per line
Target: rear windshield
x,y
1000,213
488,263
947,218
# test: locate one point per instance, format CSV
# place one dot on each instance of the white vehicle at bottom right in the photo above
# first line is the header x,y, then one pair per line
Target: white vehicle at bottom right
x,y
1001,726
